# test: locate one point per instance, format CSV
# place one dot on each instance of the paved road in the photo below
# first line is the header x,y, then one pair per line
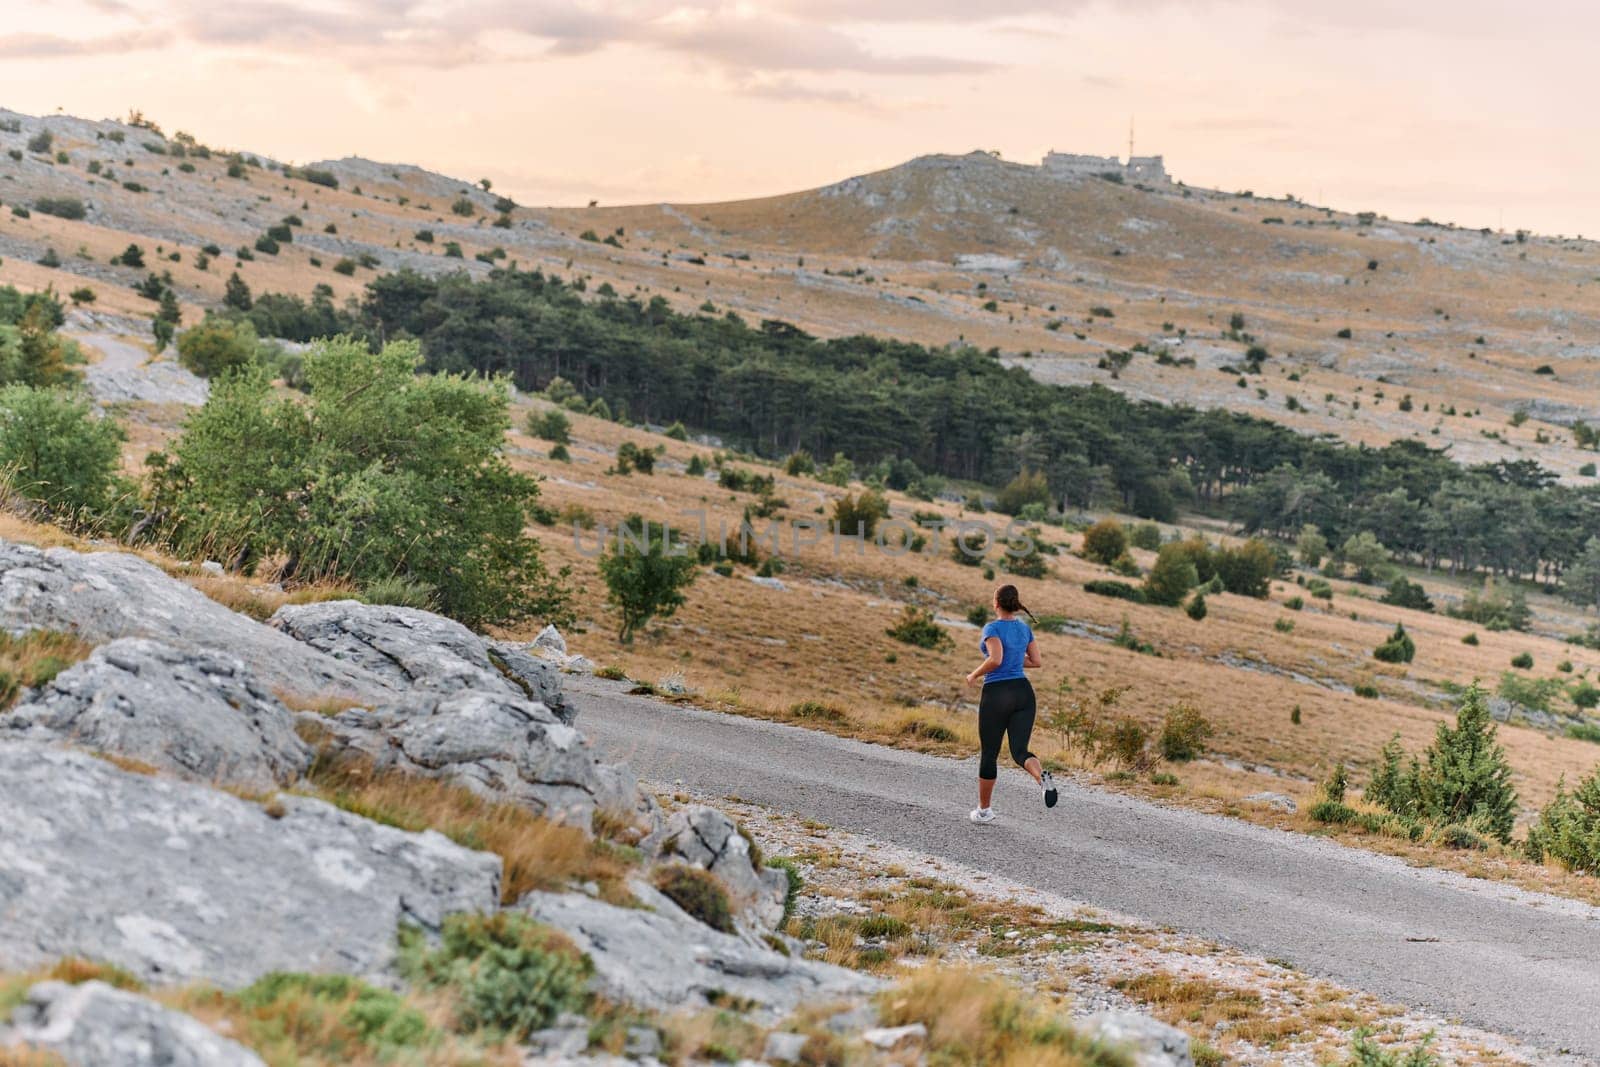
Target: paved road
x,y
1515,963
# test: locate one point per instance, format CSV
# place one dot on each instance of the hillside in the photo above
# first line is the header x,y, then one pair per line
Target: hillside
x,y
1451,333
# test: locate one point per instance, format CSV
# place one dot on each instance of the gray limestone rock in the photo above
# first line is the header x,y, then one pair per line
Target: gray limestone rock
x,y
96,1025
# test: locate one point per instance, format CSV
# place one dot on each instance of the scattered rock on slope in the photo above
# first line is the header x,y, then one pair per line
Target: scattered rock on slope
x,y
175,881
658,957
707,838
197,713
106,595
94,1025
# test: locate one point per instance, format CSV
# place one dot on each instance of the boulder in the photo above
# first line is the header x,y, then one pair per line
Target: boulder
x,y
413,649
1276,801
657,957
551,641
705,837
175,881
406,647
502,747
193,712
1150,1042
106,595
538,679
95,1025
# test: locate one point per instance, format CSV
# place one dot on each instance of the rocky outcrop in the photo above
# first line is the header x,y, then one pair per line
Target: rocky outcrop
x,y
705,837
502,747
106,595
176,881
196,713
95,1025
1149,1042
413,649
658,957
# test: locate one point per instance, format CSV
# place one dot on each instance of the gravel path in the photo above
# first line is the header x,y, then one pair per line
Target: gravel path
x,y
1494,956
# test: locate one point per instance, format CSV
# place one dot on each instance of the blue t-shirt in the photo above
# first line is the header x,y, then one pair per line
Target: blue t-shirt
x,y
1015,637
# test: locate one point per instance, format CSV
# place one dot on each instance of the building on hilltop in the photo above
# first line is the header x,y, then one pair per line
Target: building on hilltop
x,y
1072,165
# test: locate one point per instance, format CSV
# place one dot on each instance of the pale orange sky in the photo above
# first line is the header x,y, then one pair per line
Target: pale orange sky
x,y
1470,111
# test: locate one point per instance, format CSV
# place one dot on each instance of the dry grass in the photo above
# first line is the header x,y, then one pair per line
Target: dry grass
x,y
538,853
249,597
974,1018
35,658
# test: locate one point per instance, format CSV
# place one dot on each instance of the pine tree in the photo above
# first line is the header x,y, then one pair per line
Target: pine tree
x,y
1466,777
237,294
42,352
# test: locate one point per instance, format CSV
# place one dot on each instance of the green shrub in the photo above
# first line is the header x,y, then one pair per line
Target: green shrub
x,y
1123,743
1470,639
373,455
1126,566
551,425
1463,777
1523,661
1364,1052
1568,829
1398,648
1028,487
644,576
853,513
332,1018
1183,734
1117,590
1295,603
1247,569
817,711
218,346
266,245
59,454
62,207
1585,696
1494,608
796,882
1283,625
1145,535
462,206
1196,607
1405,594
1535,693
916,626
1171,577
508,974
1319,588
401,592
698,892
1105,541
1367,691
979,614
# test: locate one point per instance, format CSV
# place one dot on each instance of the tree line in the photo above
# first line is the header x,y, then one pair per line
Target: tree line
x,y
958,412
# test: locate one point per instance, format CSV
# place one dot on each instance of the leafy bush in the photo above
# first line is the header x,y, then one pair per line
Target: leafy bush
x,y
644,578
1568,829
1126,566
1535,693
1124,743
1364,1052
698,892
218,346
1523,661
1470,639
1585,696
1283,625
1295,603
62,207
1171,577
854,513
374,455
916,626
1247,569
329,1017
1398,648
1183,734
1196,607
551,425
1463,777
1028,487
509,974
41,141
1405,594
462,206
58,454
1146,535
1319,588
1494,608
1105,541
978,614
1117,590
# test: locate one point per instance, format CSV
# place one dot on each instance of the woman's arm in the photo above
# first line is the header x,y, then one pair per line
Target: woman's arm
x,y
994,651
1031,658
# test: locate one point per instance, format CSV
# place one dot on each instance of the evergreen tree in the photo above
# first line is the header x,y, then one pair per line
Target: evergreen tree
x,y
237,293
1466,778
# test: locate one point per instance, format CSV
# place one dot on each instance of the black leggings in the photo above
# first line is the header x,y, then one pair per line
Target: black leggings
x,y
1005,709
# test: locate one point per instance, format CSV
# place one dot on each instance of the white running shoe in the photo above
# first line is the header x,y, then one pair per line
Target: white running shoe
x,y
981,815
1049,786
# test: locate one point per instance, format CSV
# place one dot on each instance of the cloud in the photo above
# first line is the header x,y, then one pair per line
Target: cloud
x,y
50,46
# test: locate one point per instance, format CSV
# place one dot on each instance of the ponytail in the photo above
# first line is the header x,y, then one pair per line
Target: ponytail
x,y
1008,599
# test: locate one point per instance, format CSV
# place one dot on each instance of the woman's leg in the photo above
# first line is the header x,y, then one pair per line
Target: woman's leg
x,y
993,714
1019,730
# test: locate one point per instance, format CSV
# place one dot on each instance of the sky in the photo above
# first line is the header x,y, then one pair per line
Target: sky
x,y
1480,112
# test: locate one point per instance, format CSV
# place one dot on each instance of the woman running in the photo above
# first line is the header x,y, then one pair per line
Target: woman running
x,y
1006,708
